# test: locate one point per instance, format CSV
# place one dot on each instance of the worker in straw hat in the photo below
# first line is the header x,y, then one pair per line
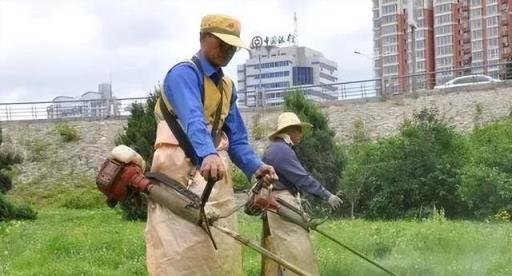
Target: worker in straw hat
x,y
286,239
203,100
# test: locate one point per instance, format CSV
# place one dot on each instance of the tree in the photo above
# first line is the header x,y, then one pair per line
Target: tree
x,y
140,135
356,173
8,211
318,151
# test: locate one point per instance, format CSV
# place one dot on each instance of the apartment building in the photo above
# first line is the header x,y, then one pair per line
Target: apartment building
x,y
392,41
271,71
452,38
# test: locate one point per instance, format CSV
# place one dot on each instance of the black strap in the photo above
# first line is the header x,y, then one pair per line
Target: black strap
x,y
178,132
210,183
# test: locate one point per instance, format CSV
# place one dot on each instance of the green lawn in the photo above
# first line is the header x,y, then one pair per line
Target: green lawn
x,y
98,242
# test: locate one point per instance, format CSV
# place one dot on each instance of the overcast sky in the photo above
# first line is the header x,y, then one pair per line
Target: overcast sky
x,y
53,48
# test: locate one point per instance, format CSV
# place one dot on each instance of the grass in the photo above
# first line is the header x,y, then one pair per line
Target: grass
x,y
97,242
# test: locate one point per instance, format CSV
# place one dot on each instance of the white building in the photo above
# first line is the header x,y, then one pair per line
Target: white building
x,y
271,72
89,104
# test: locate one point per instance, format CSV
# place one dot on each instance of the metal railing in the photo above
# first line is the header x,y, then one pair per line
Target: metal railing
x,y
363,90
79,109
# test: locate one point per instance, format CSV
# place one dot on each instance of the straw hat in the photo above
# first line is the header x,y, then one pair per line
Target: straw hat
x,y
287,119
225,27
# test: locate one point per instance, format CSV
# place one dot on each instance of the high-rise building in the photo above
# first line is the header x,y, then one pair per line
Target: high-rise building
x,y
270,71
452,38
392,41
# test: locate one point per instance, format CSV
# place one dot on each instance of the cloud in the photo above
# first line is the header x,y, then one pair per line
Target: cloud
x,y
51,48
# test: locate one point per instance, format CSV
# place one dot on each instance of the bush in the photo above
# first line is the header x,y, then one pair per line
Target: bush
x,y
412,172
8,211
486,180
140,135
67,132
240,180
38,148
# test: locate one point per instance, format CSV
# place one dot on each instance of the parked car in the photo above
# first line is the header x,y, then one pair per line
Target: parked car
x,y
467,80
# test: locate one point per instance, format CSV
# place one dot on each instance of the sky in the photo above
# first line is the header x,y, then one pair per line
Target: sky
x,y
51,48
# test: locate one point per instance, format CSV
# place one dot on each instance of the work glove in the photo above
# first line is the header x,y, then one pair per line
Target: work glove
x,y
334,202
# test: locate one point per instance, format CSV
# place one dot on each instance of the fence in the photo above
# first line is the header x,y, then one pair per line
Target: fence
x,y
365,89
98,108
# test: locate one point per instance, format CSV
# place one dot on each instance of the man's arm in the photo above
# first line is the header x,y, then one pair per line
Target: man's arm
x,y
287,164
239,149
182,87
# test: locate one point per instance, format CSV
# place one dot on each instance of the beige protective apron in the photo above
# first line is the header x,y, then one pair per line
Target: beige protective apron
x,y
288,240
177,247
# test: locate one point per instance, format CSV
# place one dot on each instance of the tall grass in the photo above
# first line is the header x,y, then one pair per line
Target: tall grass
x,y
99,242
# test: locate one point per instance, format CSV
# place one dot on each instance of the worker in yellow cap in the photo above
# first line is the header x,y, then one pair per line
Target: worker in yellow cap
x,y
199,129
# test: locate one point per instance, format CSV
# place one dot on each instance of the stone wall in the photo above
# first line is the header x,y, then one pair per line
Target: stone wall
x,y
49,159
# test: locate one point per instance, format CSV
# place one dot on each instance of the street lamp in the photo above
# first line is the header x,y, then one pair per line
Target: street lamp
x,y
364,55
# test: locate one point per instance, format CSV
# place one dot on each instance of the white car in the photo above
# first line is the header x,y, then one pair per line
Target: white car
x,y
468,80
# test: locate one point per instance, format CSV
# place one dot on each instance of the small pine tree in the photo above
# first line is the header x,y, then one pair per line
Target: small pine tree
x,y
140,135
318,152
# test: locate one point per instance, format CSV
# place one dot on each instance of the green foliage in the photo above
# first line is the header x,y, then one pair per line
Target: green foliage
x,y
72,193
38,148
140,135
504,215
508,70
99,242
408,174
318,151
240,180
355,173
8,211
73,242
67,132
259,130
486,181
7,159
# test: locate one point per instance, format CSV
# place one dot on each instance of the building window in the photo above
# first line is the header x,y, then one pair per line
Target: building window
x,y
302,75
272,64
389,9
388,19
475,13
492,21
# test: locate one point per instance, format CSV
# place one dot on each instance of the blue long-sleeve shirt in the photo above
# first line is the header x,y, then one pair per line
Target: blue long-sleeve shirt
x,y
290,171
182,86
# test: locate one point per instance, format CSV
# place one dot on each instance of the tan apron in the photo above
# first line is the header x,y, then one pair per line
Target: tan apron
x,y
288,240
177,247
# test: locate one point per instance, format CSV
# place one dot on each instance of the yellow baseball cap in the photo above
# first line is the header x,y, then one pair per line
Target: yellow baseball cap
x,y
225,27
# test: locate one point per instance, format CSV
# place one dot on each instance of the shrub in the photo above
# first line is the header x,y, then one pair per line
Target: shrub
x,y
67,132
8,211
38,148
140,135
486,180
240,180
411,172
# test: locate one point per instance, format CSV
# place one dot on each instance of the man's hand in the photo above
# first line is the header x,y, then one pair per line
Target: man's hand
x,y
334,201
267,174
213,168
